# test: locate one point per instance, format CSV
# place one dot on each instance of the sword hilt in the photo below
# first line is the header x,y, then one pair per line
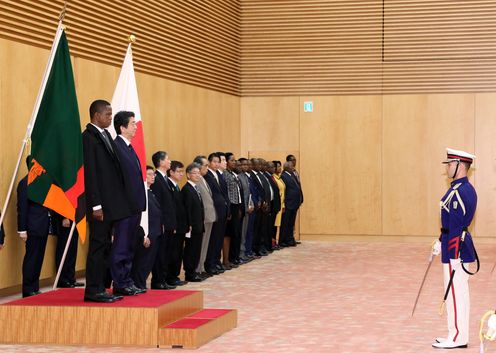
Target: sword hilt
x,y
441,308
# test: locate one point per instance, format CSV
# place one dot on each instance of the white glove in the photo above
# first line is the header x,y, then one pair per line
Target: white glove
x,y
455,263
436,248
23,235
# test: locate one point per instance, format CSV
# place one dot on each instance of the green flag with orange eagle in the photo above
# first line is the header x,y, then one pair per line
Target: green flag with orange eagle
x,y
56,174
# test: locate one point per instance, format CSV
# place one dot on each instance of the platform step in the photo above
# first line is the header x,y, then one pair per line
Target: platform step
x,y
197,329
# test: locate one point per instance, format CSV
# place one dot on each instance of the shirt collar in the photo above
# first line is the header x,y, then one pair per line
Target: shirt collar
x,y
162,173
173,182
125,140
213,171
98,128
191,183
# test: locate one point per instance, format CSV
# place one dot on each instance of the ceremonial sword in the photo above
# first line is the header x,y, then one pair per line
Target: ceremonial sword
x,y
422,284
441,308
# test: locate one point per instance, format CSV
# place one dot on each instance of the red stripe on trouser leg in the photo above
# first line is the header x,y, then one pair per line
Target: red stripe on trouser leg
x,y
454,305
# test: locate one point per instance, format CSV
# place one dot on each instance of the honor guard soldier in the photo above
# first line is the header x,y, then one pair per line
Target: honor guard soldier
x,y
456,248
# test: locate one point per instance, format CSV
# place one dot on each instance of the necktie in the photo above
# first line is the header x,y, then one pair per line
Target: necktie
x,y
207,187
133,152
198,192
107,141
177,188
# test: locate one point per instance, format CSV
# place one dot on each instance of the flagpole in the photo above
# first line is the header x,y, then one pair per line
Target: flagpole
x,y
62,261
36,108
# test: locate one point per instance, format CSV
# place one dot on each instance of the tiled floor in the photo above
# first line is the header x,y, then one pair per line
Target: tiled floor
x,y
332,297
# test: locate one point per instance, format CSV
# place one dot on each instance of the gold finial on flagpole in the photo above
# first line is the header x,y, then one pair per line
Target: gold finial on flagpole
x,y
62,13
131,38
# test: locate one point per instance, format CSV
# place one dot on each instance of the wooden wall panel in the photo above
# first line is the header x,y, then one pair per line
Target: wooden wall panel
x,y
270,124
16,105
340,165
184,120
485,164
195,42
417,130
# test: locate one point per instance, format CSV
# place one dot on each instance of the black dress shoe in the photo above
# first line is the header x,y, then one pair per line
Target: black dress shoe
x,y
64,284
30,294
78,284
212,271
298,242
127,291
194,278
102,297
206,275
177,282
138,290
162,286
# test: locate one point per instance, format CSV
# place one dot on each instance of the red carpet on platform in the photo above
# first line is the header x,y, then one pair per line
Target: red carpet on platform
x,y
75,296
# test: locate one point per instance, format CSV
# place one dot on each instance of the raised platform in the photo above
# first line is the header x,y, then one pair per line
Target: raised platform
x,y
62,317
197,329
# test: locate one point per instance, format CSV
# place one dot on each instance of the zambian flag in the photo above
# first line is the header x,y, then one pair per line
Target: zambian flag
x,y
56,174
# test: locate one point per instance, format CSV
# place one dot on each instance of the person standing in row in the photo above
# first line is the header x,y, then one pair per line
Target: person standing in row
x,y
147,246
164,196
232,241
195,216
62,228
282,191
34,223
209,210
221,204
176,244
125,229
293,200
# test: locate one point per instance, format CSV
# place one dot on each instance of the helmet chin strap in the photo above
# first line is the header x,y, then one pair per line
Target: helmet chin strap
x,y
456,170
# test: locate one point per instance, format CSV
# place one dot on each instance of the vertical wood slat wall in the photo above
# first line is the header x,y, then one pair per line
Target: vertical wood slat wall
x,y
194,42
302,47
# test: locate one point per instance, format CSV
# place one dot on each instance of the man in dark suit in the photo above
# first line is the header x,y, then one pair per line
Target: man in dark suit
x,y
196,215
165,198
261,220
108,198
176,245
292,200
147,246
221,204
33,226
62,228
250,199
121,256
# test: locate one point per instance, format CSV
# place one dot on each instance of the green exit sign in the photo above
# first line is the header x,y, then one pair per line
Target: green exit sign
x,y
308,107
